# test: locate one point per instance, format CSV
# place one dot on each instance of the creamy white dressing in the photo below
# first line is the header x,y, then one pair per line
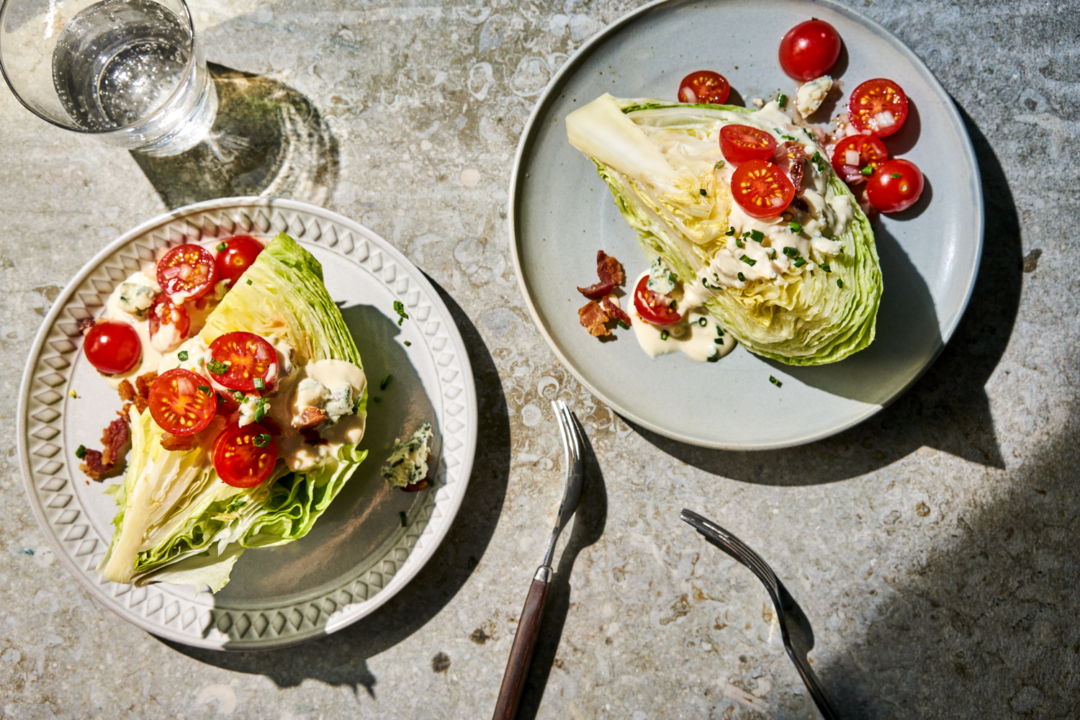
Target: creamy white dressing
x,y
698,342
288,404
151,357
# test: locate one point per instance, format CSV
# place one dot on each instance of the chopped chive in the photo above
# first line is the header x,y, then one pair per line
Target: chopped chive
x,y
795,227
623,325
799,261
739,242
399,308
788,137
895,176
377,398
204,389
775,382
262,440
249,281
719,331
238,395
719,341
702,322
80,452
757,235
664,335
385,382
840,284
714,357
825,267
407,343
867,171
182,355
730,231
702,191
808,133
674,305
221,247
791,252
404,519
818,162
260,412
781,99
217,367
749,261
774,253
719,165
260,384
742,278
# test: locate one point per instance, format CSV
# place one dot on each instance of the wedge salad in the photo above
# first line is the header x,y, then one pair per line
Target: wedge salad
x,y
748,230
248,405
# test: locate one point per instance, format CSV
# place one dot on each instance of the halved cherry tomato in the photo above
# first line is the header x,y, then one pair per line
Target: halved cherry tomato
x,y
871,153
181,402
244,456
164,312
809,50
186,272
653,307
761,188
878,107
895,186
704,87
246,357
236,257
112,347
740,143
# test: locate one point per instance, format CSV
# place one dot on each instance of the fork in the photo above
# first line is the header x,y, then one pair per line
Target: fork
x,y
785,611
517,666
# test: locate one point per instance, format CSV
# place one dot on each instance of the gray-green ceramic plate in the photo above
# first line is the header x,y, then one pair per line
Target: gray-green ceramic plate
x,y
561,213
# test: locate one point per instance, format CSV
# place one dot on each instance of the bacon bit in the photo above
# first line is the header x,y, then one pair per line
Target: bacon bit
x,y
610,272
101,464
791,157
592,317
310,419
85,324
127,392
177,442
800,204
141,405
416,486
143,384
616,312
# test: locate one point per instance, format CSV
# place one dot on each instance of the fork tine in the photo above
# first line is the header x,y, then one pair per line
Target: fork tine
x,y
755,558
571,433
564,432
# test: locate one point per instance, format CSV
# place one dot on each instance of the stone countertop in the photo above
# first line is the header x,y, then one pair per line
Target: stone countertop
x,y
931,546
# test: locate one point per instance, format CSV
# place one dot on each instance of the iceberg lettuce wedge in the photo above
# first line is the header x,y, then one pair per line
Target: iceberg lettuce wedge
x,y
802,288
177,521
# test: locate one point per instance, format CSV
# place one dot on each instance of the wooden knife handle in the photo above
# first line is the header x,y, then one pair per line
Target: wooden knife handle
x,y
517,667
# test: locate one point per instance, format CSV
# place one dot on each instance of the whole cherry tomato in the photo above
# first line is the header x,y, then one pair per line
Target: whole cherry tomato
x,y
809,50
895,186
112,347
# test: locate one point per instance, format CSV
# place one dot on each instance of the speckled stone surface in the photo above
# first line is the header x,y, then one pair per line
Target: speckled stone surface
x,y
932,547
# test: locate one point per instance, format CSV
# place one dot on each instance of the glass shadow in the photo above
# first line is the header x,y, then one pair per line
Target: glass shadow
x,y
267,139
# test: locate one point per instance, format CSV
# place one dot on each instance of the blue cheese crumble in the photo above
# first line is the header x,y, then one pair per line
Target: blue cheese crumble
x,y
135,298
407,464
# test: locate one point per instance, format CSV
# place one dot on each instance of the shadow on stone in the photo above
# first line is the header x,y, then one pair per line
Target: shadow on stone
x,y
341,659
947,408
267,140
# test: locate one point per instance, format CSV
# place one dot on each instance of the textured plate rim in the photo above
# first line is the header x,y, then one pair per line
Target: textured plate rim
x,y
210,637
518,170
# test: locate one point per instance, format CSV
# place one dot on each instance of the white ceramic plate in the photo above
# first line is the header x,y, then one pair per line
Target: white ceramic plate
x,y
561,213
358,555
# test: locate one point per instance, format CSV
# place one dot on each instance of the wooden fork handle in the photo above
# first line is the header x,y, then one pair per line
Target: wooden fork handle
x,y
517,667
